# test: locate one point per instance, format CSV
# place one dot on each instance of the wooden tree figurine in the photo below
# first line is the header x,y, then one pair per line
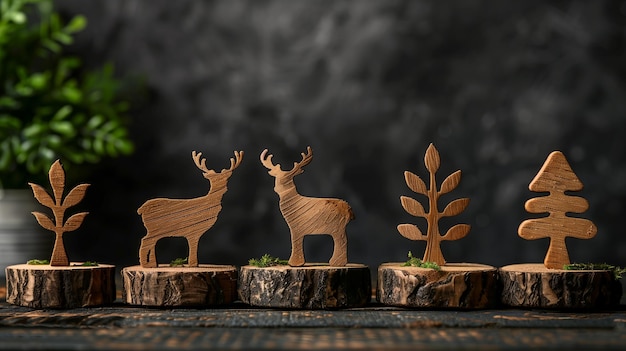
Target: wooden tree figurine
x,y
552,284
58,205
432,282
60,284
151,284
299,284
433,237
556,177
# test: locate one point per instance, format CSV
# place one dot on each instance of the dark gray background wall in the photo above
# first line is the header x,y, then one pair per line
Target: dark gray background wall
x,y
495,85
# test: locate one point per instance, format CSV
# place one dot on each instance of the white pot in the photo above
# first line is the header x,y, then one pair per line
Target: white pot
x,y
21,237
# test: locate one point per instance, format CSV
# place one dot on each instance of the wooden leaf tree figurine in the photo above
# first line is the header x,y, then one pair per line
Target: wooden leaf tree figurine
x,y
433,237
59,205
556,177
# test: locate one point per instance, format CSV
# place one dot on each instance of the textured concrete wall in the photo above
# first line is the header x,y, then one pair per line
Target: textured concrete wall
x,y
495,85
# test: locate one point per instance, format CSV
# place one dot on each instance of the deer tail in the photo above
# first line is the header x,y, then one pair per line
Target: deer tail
x,y
351,215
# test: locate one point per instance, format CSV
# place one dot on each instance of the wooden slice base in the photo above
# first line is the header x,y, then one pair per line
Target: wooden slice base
x,y
45,286
534,286
313,286
165,286
456,285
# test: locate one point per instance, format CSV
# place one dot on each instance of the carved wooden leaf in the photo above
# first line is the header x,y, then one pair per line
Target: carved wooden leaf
x,y
431,159
74,221
412,206
455,207
411,231
457,232
451,182
415,183
57,179
42,195
44,220
75,196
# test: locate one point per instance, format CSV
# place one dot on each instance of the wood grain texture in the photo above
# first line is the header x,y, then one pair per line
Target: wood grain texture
x,y
45,286
188,218
164,286
433,237
535,286
460,285
59,205
556,177
309,215
308,287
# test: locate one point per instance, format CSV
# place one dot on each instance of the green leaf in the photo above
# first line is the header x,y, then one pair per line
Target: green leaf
x,y
77,24
126,147
63,38
39,80
33,130
95,121
16,17
63,127
51,45
72,94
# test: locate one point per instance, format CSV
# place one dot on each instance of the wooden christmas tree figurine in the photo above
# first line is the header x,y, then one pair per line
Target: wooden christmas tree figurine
x,y
433,237
192,284
58,205
299,284
60,284
556,177
432,282
309,215
552,284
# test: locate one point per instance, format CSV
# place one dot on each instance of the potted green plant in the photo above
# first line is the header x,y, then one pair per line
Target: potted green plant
x,y
50,108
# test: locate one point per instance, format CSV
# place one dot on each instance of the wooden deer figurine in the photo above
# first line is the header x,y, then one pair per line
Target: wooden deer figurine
x,y
189,218
309,215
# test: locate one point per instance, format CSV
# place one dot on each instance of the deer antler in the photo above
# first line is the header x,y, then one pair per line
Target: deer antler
x,y
306,159
201,164
234,162
266,160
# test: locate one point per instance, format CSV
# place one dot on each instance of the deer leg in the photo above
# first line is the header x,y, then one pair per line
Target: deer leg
x,y
297,251
147,256
193,251
340,249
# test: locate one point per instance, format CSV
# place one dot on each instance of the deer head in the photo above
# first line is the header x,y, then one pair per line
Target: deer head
x,y
278,173
210,174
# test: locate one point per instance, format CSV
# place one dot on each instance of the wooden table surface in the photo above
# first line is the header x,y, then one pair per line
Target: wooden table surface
x,y
240,327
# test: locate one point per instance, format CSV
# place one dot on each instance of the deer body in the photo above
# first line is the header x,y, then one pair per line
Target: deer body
x,y
309,215
188,218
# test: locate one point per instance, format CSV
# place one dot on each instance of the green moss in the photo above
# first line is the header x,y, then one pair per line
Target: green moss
x,y
416,262
617,271
267,261
88,264
179,262
38,262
